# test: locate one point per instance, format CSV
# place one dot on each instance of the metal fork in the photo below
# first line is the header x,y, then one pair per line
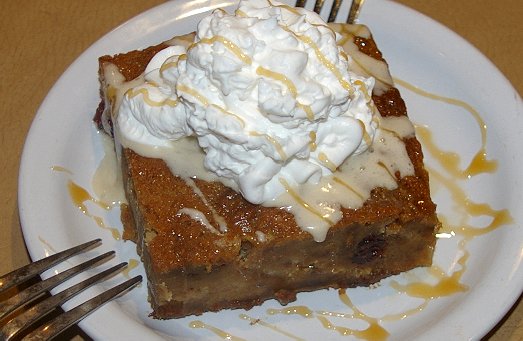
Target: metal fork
x,y
354,10
13,322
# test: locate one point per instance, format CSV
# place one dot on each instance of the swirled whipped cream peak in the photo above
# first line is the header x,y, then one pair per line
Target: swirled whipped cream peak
x,y
268,94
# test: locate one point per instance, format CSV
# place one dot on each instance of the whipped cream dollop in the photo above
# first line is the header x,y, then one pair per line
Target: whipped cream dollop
x,y
268,94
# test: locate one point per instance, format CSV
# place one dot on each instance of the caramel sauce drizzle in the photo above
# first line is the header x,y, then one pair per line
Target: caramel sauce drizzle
x,y
362,85
289,84
287,7
450,163
133,92
168,65
303,203
406,313
324,159
238,52
392,132
312,145
205,102
449,284
349,187
308,41
256,321
470,208
279,77
240,13
80,196
479,163
370,73
382,165
373,332
292,310
366,137
348,37
326,62
201,98
152,83
220,333
131,264
446,285
273,141
235,49
112,94
348,32
225,112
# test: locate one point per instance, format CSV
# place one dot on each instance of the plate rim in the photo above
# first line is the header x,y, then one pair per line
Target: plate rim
x,y
36,251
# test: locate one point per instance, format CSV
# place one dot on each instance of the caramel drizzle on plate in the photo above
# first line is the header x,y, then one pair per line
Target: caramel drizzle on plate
x,y
131,265
257,321
374,331
480,163
218,332
80,196
449,284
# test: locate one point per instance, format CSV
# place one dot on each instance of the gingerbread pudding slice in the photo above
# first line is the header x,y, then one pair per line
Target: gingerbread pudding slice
x,y
267,154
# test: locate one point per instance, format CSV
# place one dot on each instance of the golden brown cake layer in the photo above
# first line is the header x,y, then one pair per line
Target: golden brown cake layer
x,y
192,270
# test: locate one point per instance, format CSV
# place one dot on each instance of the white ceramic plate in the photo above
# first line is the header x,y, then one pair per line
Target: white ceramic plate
x,y
419,51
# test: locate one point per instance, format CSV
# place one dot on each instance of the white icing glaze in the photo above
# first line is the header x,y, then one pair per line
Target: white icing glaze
x,y
107,180
200,217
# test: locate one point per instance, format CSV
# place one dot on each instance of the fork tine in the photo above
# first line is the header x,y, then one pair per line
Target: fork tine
x,y
354,10
74,315
34,291
300,3
19,323
334,10
336,4
20,275
318,5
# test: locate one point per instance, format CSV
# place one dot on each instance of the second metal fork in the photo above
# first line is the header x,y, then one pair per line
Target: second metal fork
x,y
336,4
